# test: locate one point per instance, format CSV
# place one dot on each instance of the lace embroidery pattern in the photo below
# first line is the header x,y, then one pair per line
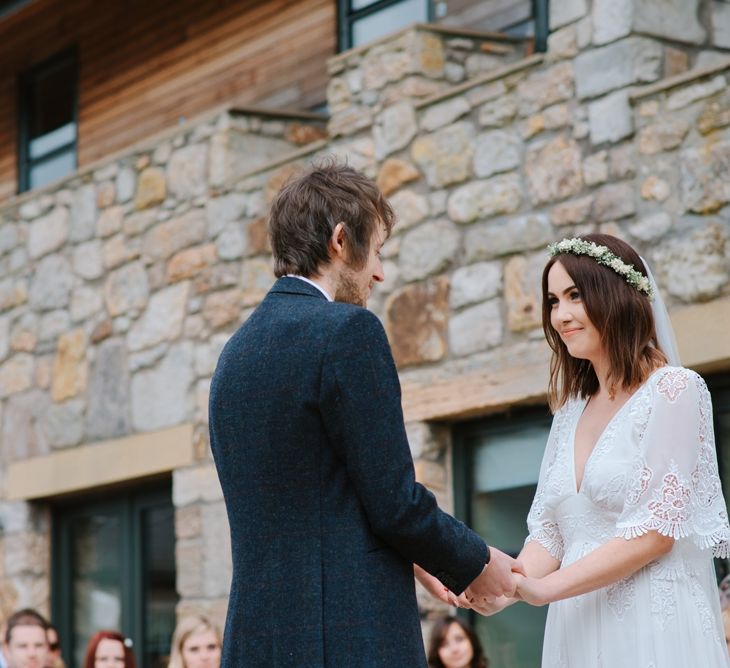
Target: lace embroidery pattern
x,y
663,602
639,484
673,383
670,506
700,600
620,596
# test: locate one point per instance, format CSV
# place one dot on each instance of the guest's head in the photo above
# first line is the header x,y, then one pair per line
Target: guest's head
x,y
25,643
109,649
331,219
593,313
196,643
454,644
54,648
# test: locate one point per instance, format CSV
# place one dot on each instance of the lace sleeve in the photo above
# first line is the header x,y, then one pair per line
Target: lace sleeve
x,y
675,486
541,522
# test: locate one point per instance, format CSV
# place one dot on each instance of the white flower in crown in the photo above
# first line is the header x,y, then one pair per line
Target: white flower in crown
x,y
604,256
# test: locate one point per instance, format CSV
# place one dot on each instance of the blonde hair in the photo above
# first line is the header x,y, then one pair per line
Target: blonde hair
x,y
186,627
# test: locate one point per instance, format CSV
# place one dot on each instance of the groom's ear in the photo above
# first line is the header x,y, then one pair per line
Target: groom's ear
x,y
338,242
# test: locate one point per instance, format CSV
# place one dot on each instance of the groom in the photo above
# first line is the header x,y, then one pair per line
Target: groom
x,y
307,432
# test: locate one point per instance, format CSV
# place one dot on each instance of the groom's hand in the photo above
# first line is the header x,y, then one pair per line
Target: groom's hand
x,y
497,579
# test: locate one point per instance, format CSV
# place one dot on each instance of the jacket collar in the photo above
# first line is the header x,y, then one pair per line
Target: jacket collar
x,y
293,286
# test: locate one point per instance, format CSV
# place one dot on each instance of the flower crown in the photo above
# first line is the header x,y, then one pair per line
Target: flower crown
x,y
604,256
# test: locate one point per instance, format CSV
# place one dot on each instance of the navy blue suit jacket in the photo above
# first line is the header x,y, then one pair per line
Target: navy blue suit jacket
x,y
325,513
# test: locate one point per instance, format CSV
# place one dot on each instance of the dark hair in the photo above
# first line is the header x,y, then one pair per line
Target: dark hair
x,y
90,656
25,617
621,314
307,209
438,635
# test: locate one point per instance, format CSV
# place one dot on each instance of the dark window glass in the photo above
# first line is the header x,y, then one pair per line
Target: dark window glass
x,y
114,568
48,126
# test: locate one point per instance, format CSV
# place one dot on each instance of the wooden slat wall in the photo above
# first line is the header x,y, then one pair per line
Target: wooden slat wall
x,y
144,64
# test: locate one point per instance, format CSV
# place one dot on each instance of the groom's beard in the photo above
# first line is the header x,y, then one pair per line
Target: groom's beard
x,y
349,291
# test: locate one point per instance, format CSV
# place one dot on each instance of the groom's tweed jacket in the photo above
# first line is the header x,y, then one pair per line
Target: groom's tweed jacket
x,y
326,517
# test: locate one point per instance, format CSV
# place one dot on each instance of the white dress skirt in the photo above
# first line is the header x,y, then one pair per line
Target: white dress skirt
x,y
653,468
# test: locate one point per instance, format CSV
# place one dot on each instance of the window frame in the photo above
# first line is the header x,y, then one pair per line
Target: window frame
x,y
25,111
132,504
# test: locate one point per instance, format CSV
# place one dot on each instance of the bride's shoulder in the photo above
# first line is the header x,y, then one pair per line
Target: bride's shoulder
x,y
671,381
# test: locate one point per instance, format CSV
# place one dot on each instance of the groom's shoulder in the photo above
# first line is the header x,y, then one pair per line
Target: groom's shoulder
x,y
350,316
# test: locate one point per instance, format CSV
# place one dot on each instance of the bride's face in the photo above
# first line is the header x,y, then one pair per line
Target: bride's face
x,y
569,318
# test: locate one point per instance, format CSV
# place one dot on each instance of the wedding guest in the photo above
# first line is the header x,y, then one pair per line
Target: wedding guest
x,y
454,644
196,643
54,649
25,641
109,649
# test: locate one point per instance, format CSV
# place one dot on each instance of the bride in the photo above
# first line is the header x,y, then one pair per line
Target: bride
x,y
629,510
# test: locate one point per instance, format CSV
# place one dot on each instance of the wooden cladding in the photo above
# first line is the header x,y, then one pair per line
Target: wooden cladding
x,y
145,65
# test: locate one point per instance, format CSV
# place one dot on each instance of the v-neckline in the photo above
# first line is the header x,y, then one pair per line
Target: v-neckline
x,y
576,488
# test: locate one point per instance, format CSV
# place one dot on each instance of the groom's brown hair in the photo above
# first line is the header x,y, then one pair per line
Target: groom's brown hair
x,y
621,314
307,209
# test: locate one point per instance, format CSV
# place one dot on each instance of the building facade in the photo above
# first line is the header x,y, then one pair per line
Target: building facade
x,y
120,282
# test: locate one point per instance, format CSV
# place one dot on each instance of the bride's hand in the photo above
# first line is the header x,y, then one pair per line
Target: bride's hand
x,y
532,590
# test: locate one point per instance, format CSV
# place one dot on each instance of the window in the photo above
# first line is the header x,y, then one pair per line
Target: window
x,y
48,127
114,568
362,21
496,466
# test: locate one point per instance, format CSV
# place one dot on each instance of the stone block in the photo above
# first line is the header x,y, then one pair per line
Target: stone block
x,y
110,221
409,207
612,19
416,322
475,283
670,19
704,186
87,260
161,396
16,375
497,113
496,152
195,484
428,249
70,368
52,283
572,212
485,198
223,307
162,319
623,63
513,235
126,289
721,24
695,267
715,114
595,168
23,336
445,155
611,118
394,129
566,11
108,414
120,249
475,329
545,87
664,135
394,173
655,188
48,233
444,113
151,188
169,237
217,566
186,171
64,423
686,96
651,227
614,201
522,291
190,262
554,170
83,213
23,433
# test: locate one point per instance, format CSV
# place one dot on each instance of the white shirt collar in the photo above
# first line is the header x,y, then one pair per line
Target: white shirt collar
x,y
319,287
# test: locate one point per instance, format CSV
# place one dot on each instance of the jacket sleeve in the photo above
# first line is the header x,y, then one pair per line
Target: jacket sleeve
x,y
360,402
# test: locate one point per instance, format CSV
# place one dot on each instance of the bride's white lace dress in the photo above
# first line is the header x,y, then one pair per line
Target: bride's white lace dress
x,y
653,468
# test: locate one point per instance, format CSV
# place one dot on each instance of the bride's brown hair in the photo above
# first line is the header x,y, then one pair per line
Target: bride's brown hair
x,y
621,314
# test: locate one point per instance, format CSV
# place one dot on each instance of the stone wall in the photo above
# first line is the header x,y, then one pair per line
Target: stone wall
x,y
120,286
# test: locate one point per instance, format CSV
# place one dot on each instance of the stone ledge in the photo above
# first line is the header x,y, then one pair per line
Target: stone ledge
x,y
424,27
702,335
678,80
95,465
488,77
